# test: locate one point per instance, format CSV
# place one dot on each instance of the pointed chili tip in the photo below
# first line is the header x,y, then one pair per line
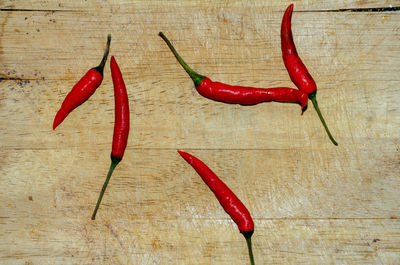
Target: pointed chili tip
x,y
303,102
303,110
57,120
289,11
188,157
183,154
113,64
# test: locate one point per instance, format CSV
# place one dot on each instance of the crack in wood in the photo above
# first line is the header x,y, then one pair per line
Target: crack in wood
x,y
367,9
24,79
10,78
370,9
35,10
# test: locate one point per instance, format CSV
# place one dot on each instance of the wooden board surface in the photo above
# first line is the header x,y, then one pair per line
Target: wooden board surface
x,y
312,202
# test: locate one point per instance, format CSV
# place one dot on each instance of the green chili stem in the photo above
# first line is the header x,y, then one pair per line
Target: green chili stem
x,y
313,98
114,163
100,67
249,246
197,78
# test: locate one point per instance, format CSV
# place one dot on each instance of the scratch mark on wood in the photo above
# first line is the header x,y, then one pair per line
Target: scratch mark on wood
x,y
114,234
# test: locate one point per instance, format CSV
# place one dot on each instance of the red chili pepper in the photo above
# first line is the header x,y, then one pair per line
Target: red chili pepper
x,y
228,200
297,70
238,94
121,127
82,90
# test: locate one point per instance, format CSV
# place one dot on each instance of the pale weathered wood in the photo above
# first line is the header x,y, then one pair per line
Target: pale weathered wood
x,y
201,241
360,115
162,213
312,203
230,44
273,183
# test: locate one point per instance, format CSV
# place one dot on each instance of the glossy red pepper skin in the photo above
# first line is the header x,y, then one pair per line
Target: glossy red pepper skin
x,y
82,90
239,94
297,70
250,95
121,125
228,200
121,128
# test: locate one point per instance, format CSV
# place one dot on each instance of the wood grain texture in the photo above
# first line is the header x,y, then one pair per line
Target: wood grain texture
x,y
312,202
192,118
229,44
132,4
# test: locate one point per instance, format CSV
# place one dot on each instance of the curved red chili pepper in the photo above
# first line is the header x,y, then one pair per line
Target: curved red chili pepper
x,y
228,200
82,90
121,126
238,94
297,70
249,95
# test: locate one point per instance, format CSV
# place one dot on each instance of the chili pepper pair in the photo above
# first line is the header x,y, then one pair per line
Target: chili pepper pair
x,y
250,95
82,91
